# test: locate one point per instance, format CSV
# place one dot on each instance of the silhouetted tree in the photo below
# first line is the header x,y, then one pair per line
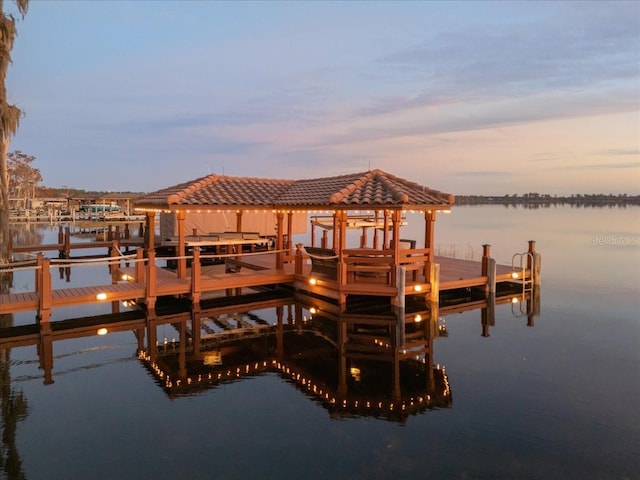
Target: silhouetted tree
x,y
9,120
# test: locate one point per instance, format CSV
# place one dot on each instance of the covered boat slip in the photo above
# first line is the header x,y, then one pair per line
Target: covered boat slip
x,y
380,264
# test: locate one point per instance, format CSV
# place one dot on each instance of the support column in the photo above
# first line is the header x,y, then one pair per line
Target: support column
x,y
44,308
289,246
150,284
279,240
429,233
335,231
239,221
195,279
400,305
150,232
396,220
534,262
488,269
181,250
376,240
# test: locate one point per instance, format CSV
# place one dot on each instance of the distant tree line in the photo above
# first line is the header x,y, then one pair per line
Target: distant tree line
x,y
538,200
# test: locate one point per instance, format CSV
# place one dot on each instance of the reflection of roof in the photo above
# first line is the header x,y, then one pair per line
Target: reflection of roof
x,y
370,189
312,365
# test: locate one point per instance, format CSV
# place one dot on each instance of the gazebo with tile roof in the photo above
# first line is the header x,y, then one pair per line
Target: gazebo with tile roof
x,y
374,191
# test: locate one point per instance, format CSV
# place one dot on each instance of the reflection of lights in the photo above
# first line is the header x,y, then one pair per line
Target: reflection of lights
x,y
102,331
417,318
101,296
129,303
313,281
126,277
515,275
417,288
514,300
355,373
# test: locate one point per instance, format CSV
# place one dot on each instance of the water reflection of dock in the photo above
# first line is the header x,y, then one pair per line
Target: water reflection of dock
x,y
384,271
353,365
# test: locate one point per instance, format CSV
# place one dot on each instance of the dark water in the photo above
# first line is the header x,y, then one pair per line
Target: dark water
x,y
558,399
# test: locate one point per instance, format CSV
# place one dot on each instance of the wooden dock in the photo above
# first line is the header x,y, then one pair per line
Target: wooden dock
x,y
142,281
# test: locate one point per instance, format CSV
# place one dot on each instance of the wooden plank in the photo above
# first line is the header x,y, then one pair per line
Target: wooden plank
x,y
18,302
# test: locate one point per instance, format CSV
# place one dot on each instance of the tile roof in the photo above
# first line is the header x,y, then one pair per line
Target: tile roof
x,y
372,189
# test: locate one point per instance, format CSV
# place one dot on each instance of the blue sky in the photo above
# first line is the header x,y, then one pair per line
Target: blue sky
x,y
465,97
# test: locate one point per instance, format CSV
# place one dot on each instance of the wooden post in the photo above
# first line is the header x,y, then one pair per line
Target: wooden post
x,y
313,234
289,235
38,273
181,250
279,241
238,220
486,253
150,231
534,262
491,276
434,282
139,268
195,279
385,233
363,238
342,245
396,222
399,303
375,230
429,234
44,308
298,261
113,255
67,242
150,284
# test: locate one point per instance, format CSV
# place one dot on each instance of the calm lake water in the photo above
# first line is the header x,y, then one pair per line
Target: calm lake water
x,y
557,399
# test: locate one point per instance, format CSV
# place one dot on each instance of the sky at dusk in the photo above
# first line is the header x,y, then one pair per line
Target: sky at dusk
x,y
464,97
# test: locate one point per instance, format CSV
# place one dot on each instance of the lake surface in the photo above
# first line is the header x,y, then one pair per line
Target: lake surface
x,y
556,399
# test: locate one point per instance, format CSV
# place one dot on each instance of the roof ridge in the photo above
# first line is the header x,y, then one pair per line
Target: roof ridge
x,y
344,192
196,185
397,195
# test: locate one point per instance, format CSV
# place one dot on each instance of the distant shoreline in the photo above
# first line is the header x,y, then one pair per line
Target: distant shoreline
x,y
534,200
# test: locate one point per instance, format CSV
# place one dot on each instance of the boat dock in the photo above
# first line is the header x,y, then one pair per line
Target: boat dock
x,y
139,280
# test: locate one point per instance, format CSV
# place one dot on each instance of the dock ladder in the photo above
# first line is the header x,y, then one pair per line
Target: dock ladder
x,y
520,262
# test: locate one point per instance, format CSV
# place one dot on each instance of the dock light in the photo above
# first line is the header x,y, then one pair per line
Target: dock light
x,y
126,277
417,318
417,288
102,331
313,281
515,275
514,300
313,310
101,296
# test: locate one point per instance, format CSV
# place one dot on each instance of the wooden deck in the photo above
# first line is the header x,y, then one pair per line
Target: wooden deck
x,y
249,271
